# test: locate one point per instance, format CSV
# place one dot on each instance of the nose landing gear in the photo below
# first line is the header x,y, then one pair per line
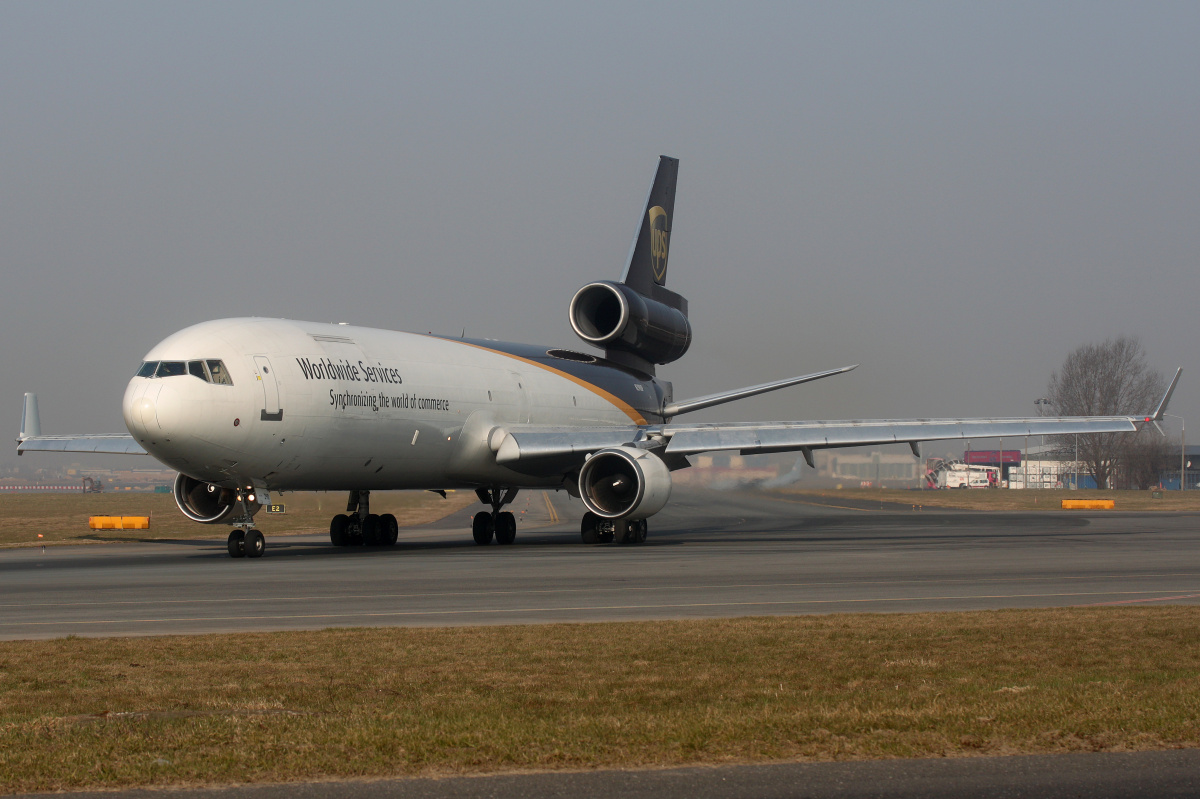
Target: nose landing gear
x,y
498,523
244,541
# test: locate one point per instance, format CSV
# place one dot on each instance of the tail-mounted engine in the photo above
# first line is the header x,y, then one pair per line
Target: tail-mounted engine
x,y
206,503
614,316
624,483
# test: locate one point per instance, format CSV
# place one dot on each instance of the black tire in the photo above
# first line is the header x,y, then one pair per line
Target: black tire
x,y
483,527
640,530
237,544
255,544
391,529
589,528
506,528
339,530
372,530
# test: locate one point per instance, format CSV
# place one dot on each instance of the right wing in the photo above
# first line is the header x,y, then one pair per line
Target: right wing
x,y
32,440
112,445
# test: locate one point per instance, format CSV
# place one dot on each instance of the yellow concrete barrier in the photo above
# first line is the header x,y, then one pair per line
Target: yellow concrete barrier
x,y
1088,504
119,522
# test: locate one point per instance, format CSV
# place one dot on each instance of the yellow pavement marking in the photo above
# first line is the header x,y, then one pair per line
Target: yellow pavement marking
x,y
820,504
550,508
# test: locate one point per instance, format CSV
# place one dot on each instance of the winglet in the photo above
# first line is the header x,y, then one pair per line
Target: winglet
x,y
1157,416
31,425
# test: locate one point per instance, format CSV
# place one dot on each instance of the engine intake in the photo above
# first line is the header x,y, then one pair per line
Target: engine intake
x,y
624,483
614,316
204,502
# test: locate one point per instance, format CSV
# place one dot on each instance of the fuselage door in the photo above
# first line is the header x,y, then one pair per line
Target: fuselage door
x,y
266,375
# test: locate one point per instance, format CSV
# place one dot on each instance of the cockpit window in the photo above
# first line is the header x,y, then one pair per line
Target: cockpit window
x,y
208,371
220,374
170,369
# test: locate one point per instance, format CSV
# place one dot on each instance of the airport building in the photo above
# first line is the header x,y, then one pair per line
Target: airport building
x,y
869,469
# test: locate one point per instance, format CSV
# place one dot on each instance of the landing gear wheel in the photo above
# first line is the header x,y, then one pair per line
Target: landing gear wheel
x,y
255,545
506,528
390,529
339,530
236,544
638,531
371,531
482,528
589,528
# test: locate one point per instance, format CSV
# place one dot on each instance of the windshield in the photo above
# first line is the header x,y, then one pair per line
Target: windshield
x,y
210,371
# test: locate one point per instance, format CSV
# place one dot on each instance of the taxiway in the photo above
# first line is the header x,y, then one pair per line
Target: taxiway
x,y
710,554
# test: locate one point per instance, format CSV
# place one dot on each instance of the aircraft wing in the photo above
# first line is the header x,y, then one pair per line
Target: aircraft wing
x,y
31,439
549,447
534,448
112,445
783,436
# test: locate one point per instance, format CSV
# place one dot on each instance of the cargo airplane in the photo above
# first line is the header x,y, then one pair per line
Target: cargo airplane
x,y
244,408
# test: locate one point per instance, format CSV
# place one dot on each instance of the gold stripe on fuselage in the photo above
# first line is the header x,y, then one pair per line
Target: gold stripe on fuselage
x,y
621,404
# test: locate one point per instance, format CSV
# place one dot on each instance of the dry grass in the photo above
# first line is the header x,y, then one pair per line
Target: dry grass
x,y
63,518
383,702
1005,500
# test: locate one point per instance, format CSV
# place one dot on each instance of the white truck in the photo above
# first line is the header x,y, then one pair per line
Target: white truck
x,y
962,475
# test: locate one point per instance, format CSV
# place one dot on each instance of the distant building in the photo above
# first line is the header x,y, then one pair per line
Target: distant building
x,y
875,468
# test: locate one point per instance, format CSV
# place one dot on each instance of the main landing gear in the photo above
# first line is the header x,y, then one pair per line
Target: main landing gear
x,y
501,524
359,527
596,530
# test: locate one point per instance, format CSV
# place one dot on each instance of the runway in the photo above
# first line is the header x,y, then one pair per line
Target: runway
x,y
710,554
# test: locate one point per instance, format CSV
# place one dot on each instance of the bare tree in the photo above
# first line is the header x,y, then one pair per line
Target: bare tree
x,y
1107,379
1147,455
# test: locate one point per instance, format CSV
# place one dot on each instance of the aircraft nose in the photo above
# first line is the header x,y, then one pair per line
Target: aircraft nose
x,y
139,410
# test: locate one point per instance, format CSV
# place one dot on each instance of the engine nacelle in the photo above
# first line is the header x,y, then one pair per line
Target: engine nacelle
x,y
614,316
624,483
204,502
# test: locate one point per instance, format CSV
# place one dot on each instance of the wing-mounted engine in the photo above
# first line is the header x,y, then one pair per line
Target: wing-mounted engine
x,y
624,483
206,503
617,318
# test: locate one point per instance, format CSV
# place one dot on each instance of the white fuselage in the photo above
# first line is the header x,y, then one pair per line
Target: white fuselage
x,y
336,407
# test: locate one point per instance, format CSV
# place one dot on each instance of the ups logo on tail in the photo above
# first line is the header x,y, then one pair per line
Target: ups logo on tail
x,y
659,240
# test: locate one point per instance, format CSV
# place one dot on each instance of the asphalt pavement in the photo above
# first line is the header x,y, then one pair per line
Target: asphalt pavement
x,y
1119,775
709,554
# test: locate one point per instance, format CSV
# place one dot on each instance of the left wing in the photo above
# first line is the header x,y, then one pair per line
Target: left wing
x,y
543,449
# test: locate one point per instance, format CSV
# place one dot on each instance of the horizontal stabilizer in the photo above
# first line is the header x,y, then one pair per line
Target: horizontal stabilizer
x,y
676,408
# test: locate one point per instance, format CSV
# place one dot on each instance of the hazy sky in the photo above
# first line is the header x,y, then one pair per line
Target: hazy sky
x,y
952,195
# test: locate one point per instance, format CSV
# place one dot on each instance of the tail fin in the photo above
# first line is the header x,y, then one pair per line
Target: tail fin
x,y
646,271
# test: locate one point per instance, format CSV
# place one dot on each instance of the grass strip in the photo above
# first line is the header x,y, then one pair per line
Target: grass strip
x,y
63,518
1002,499
271,707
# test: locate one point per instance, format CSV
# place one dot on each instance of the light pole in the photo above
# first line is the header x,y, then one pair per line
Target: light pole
x,y
1182,448
1041,403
